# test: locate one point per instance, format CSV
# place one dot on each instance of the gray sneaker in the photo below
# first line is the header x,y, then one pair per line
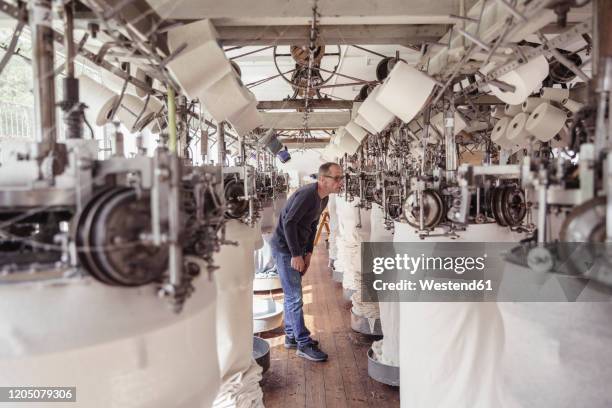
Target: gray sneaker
x,y
311,352
291,343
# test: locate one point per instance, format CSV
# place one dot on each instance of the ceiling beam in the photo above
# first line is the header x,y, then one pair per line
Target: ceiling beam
x,y
398,34
295,120
297,143
299,104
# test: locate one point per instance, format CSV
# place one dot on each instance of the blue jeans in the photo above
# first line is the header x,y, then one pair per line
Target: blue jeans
x,y
291,280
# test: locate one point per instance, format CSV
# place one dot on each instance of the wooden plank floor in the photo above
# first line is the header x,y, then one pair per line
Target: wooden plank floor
x,y
343,380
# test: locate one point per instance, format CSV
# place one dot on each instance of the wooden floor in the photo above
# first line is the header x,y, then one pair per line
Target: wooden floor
x,y
343,380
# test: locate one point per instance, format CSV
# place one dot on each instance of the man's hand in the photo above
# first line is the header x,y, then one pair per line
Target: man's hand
x,y
297,263
307,261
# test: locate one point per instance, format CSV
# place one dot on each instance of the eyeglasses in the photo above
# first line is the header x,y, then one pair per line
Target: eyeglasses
x,y
336,179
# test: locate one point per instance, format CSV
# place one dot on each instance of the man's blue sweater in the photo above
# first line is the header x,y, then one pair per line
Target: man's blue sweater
x,y
297,224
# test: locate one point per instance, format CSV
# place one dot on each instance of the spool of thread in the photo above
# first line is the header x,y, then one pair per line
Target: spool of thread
x,y
546,121
246,119
99,99
511,110
225,97
563,139
438,121
517,134
202,63
498,136
356,131
498,111
359,120
142,75
128,112
331,152
531,103
345,142
554,94
526,79
571,105
374,113
405,91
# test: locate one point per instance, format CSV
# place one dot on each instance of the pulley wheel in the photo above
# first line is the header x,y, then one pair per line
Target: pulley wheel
x,y
433,209
236,205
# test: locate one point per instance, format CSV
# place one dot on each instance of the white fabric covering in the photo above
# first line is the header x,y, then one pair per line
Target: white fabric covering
x,y
234,281
242,389
386,350
348,242
333,227
451,354
121,347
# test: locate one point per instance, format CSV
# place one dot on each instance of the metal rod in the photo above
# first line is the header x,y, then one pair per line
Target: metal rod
x,y
252,52
512,10
541,214
171,120
42,70
563,60
464,18
69,39
370,51
473,39
449,142
221,143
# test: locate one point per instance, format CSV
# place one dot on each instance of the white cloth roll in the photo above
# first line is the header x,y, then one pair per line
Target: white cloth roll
x,y
226,97
99,99
511,110
202,63
154,107
545,122
498,136
526,79
554,94
247,119
531,103
331,152
571,105
404,92
374,113
345,142
517,134
361,121
141,75
356,131
128,111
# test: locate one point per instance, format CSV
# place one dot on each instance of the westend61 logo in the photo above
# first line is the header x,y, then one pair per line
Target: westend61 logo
x,y
412,264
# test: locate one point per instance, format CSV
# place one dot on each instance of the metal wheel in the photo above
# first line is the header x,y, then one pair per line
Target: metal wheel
x,y
433,209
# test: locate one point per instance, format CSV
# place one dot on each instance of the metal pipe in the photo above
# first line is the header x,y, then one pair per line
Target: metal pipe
x,y
221,143
171,120
43,79
73,110
473,39
609,200
175,252
449,143
542,214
